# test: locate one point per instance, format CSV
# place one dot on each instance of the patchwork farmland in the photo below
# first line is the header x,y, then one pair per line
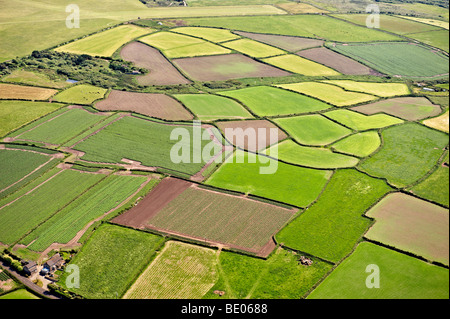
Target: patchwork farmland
x,y
236,149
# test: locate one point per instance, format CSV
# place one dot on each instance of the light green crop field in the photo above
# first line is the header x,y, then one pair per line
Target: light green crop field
x,y
81,94
210,34
315,157
181,271
297,64
270,101
14,114
312,129
21,76
112,259
335,222
23,215
438,38
361,122
398,58
201,49
289,184
63,127
253,48
308,25
19,294
409,151
434,22
348,280
378,89
359,144
208,107
329,93
105,43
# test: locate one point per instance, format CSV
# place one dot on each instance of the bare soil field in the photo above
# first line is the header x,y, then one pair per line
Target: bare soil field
x,y
336,61
407,108
161,71
242,133
226,67
166,191
20,92
288,43
151,104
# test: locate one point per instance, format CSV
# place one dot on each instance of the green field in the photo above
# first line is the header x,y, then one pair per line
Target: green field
x,y
409,151
438,38
285,185
296,64
335,222
378,89
63,127
210,34
278,277
359,144
315,157
401,277
14,114
144,141
22,76
81,94
312,26
24,214
181,271
361,122
312,129
209,107
19,294
329,93
175,45
100,199
398,58
253,48
270,101
111,260
105,43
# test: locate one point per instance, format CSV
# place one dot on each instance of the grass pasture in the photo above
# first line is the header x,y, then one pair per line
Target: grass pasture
x,y
201,214
361,122
22,215
80,94
348,280
359,144
21,92
180,271
105,43
329,93
411,224
211,34
21,76
112,259
437,23
438,38
409,151
253,48
312,129
239,174
296,64
335,222
403,59
209,107
378,89
14,114
271,101
315,157
408,108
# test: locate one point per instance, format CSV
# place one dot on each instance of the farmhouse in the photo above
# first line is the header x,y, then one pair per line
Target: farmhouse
x,y
54,263
30,268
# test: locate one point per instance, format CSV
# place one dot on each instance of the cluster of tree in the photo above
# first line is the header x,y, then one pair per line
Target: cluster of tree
x,y
440,3
108,73
162,3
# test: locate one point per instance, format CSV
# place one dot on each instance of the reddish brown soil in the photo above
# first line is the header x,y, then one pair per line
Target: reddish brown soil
x,y
151,104
226,67
336,61
161,71
261,141
288,43
167,190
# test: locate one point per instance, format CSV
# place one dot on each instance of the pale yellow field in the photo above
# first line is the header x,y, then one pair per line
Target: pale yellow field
x,y
379,89
437,23
20,92
440,123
